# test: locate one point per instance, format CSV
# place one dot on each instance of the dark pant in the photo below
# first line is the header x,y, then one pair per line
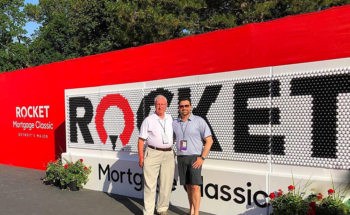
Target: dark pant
x,y
188,174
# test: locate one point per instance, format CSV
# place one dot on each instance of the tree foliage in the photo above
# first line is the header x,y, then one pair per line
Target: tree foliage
x,y
13,42
76,28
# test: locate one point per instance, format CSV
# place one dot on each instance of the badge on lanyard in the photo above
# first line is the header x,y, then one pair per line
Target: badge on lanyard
x,y
164,136
183,145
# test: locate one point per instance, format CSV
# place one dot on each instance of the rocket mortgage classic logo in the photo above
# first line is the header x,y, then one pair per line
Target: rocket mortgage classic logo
x,y
32,121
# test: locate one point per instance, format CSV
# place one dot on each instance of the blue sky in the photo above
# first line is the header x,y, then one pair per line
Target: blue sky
x,y
31,26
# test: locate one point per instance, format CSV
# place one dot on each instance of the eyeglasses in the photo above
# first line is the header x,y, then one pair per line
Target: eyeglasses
x,y
158,104
182,106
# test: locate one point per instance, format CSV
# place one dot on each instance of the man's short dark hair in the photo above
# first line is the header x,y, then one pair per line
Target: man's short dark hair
x,y
185,99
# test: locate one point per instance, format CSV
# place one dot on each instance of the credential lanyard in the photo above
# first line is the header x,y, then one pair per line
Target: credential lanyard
x,y
162,125
183,131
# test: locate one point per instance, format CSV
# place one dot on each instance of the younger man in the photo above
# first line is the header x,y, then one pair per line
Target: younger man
x,y
190,132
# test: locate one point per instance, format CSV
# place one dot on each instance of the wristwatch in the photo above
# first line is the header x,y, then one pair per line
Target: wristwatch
x,y
203,157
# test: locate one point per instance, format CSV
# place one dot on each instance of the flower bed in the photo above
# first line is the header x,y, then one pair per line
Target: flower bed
x,y
295,203
62,174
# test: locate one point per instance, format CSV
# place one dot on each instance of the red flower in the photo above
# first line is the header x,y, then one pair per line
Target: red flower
x,y
290,188
85,168
319,197
279,193
272,195
81,160
330,192
66,166
312,205
311,212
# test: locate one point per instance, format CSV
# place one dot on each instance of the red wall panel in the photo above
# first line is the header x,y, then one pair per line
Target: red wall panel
x,y
311,37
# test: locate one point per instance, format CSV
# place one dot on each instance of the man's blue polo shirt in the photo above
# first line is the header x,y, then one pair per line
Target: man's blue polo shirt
x,y
194,130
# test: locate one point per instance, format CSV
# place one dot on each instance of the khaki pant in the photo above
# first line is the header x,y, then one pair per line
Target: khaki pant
x,y
162,164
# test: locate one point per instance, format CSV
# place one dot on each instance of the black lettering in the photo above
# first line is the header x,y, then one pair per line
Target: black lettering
x,y
115,172
103,172
249,197
243,117
324,91
121,176
148,101
83,122
129,174
138,182
209,97
276,142
235,191
113,139
201,186
215,186
255,198
184,93
223,191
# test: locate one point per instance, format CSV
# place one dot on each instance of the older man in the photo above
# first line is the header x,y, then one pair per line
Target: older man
x,y
191,131
158,159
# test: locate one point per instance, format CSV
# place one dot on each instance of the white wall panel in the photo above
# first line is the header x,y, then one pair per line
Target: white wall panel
x,y
265,124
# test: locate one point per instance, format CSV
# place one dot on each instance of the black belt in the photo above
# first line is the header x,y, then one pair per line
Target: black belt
x,y
189,155
160,149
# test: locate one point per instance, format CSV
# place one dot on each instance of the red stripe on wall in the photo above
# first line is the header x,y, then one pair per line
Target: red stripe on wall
x,y
305,38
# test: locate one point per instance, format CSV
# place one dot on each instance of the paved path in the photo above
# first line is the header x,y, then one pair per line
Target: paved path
x,y
22,192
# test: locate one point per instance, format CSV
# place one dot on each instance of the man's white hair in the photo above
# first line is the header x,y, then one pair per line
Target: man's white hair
x,y
158,97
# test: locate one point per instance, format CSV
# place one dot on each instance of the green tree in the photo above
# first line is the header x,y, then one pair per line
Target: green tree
x,y
76,28
13,42
53,41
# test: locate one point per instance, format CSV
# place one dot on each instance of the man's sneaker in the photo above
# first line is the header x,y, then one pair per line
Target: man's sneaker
x,y
163,213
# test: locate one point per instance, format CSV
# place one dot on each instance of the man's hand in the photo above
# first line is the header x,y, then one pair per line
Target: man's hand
x,y
198,163
140,144
141,162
